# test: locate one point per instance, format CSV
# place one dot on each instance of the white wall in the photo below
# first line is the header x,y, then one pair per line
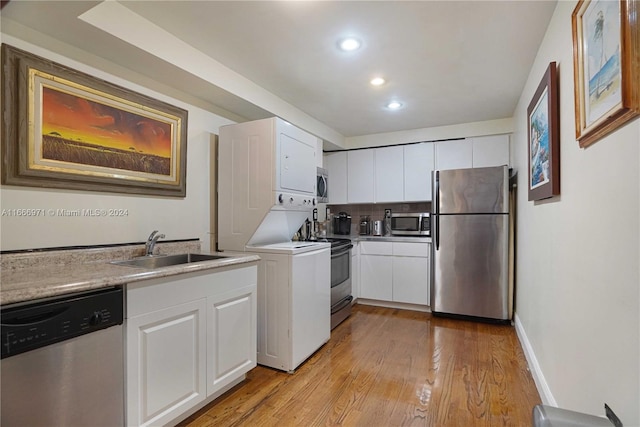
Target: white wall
x,y
177,218
578,299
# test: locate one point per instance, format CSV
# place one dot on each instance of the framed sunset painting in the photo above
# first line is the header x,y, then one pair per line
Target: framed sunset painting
x,y
66,129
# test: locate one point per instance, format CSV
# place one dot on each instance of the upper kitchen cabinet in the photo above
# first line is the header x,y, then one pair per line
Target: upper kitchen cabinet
x,y
478,152
360,173
388,174
336,165
456,154
319,157
418,165
492,150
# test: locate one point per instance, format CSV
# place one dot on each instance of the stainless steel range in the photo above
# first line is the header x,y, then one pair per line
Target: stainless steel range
x,y
340,280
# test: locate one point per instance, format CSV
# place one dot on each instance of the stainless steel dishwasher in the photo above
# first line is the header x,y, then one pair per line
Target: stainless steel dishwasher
x,y
63,361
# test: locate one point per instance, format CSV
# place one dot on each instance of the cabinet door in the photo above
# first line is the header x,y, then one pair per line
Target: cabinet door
x,y
389,174
166,372
411,280
454,154
490,150
232,338
419,161
359,176
376,277
336,165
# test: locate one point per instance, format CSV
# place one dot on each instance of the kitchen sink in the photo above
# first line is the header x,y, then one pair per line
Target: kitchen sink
x,y
158,261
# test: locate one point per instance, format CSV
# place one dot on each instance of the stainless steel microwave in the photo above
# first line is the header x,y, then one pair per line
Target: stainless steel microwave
x,y
322,193
411,224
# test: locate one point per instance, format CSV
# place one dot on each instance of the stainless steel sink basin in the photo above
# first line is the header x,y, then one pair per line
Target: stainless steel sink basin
x,y
158,261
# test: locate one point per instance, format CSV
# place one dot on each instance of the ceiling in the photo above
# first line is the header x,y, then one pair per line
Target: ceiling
x,y
448,62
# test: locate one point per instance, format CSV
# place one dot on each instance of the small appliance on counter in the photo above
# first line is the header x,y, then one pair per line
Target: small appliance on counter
x,y
342,224
378,228
365,225
411,224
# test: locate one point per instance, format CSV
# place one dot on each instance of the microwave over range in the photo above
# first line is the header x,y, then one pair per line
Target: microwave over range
x,y
411,224
322,177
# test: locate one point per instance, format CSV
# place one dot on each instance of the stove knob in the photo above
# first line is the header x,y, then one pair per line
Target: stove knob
x,y
95,319
314,202
291,200
280,199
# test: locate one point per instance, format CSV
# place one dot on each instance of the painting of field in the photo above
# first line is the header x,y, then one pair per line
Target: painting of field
x,y
55,147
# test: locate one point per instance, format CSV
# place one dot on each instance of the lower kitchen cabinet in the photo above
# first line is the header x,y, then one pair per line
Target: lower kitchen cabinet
x,y
376,277
395,271
188,338
166,355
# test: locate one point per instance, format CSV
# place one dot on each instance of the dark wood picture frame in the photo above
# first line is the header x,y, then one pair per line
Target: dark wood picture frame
x,y
62,128
543,120
611,97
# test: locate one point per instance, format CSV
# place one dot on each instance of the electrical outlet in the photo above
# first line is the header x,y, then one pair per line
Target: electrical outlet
x,y
612,416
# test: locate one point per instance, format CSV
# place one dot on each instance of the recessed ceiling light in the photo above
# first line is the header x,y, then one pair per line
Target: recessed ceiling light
x,y
377,81
394,105
349,44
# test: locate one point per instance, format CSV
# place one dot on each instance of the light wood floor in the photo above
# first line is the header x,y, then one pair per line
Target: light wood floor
x,y
386,367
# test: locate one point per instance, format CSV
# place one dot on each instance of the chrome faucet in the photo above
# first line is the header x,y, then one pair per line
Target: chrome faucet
x,y
151,242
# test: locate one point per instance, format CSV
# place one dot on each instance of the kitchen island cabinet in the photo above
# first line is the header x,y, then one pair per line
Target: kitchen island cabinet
x,y
395,272
189,338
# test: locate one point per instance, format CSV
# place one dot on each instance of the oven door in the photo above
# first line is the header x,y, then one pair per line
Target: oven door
x,y
340,274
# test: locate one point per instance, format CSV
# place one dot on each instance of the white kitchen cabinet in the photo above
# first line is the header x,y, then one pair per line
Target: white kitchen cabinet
x,y
360,169
376,276
231,340
411,280
389,174
419,161
492,150
189,338
395,271
319,156
166,355
456,154
336,165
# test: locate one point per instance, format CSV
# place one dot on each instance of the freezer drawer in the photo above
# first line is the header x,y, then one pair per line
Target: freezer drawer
x,y
469,274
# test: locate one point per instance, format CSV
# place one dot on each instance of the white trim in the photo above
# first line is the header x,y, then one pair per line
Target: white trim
x,y
534,366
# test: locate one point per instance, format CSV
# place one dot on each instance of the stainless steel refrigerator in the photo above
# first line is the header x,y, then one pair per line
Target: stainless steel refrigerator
x,y
470,249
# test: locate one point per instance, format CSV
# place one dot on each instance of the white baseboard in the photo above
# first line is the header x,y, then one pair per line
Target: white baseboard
x,y
534,366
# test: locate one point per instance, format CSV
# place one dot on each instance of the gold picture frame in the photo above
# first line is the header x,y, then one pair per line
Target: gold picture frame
x,y
62,128
606,65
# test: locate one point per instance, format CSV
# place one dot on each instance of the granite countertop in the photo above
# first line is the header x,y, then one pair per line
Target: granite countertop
x,y
31,276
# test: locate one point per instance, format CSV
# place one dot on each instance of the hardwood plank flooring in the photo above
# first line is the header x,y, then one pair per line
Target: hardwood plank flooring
x,y
388,367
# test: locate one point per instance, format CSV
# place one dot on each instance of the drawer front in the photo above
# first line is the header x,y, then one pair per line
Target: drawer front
x,y
376,248
411,249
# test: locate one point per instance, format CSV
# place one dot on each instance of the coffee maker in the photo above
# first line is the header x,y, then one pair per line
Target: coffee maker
x,y
342,223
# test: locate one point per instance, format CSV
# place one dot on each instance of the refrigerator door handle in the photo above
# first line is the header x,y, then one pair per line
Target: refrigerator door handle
x,y
436,191
437,232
